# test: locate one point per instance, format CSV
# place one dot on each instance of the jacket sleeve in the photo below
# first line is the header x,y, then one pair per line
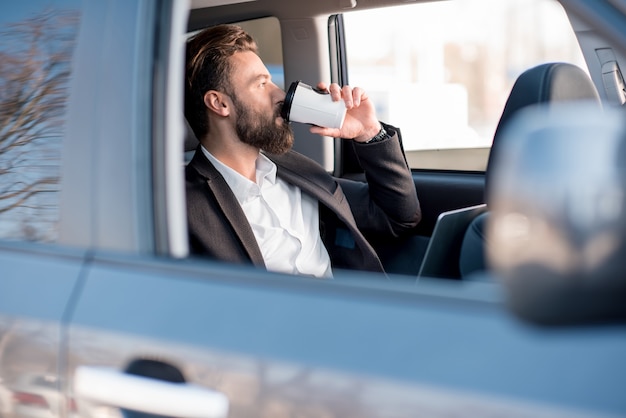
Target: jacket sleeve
x,y
387,202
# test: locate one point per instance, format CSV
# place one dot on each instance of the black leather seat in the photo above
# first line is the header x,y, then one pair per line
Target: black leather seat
x,y
545,83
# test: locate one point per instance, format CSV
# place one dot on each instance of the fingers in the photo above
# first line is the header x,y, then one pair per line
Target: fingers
x,y
358,94
319,130
322,86
345,93
335,91
351,96
360,122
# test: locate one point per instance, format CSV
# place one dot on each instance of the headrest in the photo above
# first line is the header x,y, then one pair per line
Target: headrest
x,y
545,83
191,142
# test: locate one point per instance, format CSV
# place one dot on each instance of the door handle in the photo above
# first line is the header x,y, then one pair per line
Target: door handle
x,y
115,388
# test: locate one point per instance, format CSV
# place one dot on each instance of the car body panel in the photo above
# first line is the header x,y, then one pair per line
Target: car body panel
x,y
35,290
302,336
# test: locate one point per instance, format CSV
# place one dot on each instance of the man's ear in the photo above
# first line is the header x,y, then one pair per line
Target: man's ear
x,y
216,102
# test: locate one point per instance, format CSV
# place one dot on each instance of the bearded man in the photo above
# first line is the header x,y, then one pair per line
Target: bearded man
x,y
253,200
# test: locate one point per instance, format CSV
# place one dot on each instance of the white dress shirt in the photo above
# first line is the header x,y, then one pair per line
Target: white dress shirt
x,y
285,222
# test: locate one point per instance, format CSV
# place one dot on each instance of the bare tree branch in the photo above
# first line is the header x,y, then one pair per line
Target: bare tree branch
x,y
35,58
25,193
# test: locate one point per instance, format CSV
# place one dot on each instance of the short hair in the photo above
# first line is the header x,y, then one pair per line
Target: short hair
x,y
208,67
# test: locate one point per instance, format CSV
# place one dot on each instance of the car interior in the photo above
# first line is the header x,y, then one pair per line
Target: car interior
x,y
318,29
551,83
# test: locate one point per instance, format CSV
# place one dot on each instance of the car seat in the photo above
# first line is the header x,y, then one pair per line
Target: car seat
x,y
546,83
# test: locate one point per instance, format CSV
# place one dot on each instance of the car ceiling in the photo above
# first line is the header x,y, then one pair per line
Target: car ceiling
x,y
208,12
211,12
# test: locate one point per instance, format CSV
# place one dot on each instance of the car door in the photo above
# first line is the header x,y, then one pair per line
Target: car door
x,y
152,331
36,285
275,346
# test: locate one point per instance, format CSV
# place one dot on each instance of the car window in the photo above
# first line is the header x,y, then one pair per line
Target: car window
x,y
36,46
442,71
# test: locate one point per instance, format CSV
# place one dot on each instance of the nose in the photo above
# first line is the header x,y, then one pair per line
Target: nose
x,y
278,93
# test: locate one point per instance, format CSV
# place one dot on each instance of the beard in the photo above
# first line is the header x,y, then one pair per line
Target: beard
x,y
261,130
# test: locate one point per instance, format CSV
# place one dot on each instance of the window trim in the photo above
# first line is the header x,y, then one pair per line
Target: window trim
x,y
345,161
170,214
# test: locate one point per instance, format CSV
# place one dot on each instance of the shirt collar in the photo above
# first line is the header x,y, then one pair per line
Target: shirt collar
x,y
242,187
265,169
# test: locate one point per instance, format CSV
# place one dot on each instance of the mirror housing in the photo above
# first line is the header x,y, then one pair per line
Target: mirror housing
x,y
556,236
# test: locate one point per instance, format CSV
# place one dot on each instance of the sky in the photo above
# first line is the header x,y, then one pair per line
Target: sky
x,y
16,11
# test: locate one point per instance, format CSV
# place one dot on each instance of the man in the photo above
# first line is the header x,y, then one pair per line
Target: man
x,y
252,200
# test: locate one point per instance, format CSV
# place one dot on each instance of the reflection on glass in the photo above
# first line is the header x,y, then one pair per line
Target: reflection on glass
x,y
559,193
36,46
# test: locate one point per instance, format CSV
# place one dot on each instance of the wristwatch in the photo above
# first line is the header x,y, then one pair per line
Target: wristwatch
x,y
382,134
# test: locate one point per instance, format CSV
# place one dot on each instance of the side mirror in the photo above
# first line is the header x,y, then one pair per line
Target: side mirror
x,y
556,236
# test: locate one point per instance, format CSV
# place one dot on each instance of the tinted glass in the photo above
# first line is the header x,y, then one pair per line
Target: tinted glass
x,y
36,45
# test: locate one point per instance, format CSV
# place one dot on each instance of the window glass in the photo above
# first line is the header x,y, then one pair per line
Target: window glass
x,y
442,71
36,44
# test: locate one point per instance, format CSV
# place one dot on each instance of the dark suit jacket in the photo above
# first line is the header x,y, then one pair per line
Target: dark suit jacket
x,y
349,210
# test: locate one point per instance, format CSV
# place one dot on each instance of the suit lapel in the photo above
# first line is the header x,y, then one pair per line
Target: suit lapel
x,y
313,179
229,206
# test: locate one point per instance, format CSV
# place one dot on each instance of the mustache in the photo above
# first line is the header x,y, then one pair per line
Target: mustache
x,y
278,108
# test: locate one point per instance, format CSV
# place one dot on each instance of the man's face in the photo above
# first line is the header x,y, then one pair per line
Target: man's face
x,y
257,102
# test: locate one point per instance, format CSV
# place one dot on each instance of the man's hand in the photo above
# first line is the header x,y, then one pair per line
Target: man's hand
x,y
361,123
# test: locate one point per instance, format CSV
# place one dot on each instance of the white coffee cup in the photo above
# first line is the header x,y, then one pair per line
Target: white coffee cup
x,y
305,104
